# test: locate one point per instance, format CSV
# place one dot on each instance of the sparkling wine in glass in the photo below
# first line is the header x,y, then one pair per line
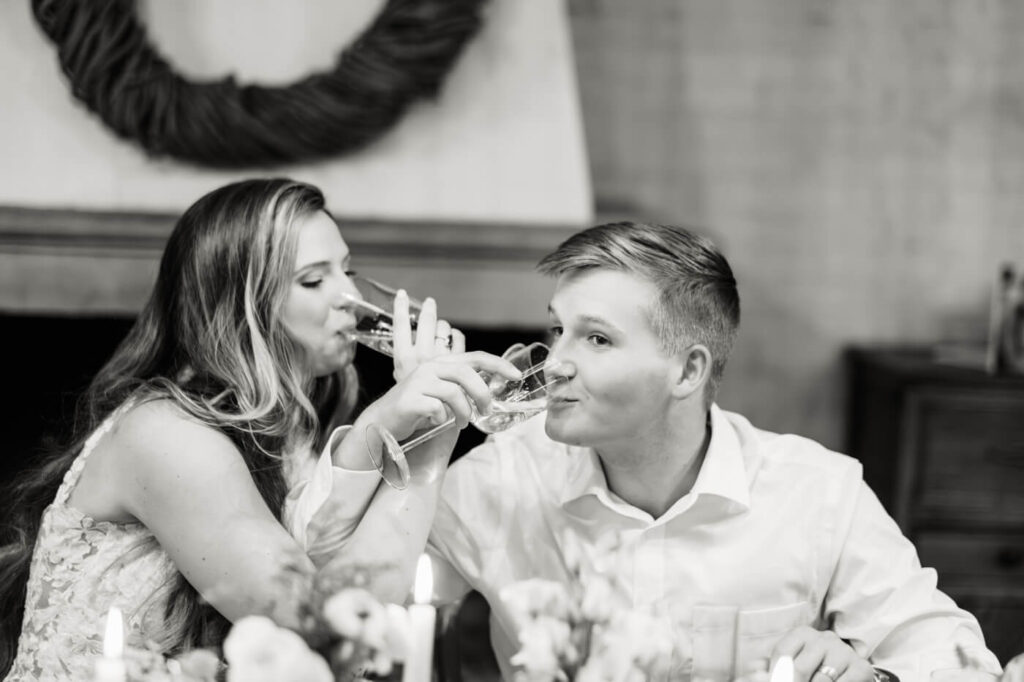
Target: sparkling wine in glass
x,y
513,401
374,323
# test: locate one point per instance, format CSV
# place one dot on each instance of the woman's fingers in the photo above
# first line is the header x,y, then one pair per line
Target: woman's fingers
x,y
402,330
426,328
443,387
483,361
442,337
477,374
454,399
458,341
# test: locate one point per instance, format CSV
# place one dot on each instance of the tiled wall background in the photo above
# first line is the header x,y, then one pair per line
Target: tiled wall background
x,y
861,164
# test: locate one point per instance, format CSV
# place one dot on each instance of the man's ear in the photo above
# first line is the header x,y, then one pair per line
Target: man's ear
x,y
694,370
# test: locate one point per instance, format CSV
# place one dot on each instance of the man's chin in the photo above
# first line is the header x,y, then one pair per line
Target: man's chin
x,y
559,431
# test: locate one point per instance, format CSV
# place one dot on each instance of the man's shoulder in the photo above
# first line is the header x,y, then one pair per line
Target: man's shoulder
x,y
791,450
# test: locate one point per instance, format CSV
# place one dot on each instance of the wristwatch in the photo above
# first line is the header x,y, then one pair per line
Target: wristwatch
x,y
883,675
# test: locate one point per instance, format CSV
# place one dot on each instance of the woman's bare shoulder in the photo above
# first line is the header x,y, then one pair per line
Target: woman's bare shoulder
x,y
161,428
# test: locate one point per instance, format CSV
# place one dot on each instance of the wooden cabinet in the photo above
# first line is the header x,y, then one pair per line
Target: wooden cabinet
x,y
943,447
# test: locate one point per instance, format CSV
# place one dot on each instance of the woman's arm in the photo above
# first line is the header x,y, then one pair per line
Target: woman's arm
x,y
394,526
190,486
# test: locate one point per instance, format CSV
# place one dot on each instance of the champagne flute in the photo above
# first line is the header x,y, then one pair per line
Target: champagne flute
x,y
374,322
512,401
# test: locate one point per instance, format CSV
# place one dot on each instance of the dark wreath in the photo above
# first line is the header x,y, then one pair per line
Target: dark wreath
x,y
403,56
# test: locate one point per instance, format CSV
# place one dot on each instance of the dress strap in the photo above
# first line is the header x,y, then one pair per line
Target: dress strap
x,y
75,472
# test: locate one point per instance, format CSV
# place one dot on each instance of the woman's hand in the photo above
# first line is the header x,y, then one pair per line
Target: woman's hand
x,y
433,337
435,391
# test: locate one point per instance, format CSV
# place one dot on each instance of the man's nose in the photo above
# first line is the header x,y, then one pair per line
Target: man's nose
x,y
559,366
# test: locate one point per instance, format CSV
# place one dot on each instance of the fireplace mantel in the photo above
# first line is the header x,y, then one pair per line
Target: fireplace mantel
x,y
70,262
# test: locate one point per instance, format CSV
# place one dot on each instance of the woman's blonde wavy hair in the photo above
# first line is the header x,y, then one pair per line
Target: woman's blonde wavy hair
x,y
210,339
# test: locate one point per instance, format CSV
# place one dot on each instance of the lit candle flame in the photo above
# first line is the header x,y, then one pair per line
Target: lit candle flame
x,y
424,586
113,638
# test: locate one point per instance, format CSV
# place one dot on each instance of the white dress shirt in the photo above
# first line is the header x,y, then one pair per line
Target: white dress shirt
x,y
777,532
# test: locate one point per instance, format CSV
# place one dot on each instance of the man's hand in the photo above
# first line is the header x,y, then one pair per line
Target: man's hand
x,y
822,657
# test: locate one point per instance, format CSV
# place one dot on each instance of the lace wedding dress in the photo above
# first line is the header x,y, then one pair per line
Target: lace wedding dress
x,y
80,568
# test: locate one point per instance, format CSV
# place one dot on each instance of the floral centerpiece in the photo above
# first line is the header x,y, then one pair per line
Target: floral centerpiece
x,y
587,630
344,633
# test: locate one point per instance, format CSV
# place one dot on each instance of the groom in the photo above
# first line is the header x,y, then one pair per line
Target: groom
x,y
716,513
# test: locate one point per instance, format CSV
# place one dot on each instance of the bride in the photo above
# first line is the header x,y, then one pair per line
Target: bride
x,y
179,495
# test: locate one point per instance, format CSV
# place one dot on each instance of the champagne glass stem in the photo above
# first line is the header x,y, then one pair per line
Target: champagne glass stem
x,y
427,435
445,426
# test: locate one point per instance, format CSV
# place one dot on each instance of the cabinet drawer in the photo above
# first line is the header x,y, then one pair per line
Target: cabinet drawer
x,y
964,457
975,561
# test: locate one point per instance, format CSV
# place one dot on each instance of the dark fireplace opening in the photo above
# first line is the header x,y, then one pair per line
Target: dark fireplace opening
x,y
50,360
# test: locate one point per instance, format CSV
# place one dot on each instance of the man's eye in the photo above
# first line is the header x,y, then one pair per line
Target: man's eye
x,y
312,283
555,331
598,340
351,273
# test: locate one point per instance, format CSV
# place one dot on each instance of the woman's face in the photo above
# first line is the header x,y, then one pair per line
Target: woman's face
x,y
315,311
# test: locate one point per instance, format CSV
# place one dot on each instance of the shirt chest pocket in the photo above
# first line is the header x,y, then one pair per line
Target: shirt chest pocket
x,y
758,630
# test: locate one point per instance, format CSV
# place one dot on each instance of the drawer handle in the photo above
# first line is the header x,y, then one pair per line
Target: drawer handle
x,y
1009,557
1006,455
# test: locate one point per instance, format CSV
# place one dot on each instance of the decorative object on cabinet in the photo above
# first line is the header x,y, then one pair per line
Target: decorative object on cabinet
x,y
1006,330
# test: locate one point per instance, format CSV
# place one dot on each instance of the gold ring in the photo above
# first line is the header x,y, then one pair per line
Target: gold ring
x,y
829,672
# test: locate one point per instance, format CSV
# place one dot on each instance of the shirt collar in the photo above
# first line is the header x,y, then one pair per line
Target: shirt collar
x,y
722,474
585,475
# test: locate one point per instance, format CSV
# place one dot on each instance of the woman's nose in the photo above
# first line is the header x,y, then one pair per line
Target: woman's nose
x,y
345,298
346,294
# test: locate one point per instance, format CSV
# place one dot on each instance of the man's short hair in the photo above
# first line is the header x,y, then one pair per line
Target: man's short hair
x,y
698,301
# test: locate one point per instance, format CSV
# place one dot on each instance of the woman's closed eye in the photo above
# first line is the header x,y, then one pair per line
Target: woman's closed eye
x,y
312,283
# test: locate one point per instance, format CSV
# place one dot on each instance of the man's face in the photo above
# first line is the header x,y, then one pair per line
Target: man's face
x,y
619,381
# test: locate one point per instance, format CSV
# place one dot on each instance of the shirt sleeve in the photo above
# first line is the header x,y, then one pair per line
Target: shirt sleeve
x,y
323,511
888,607
466,525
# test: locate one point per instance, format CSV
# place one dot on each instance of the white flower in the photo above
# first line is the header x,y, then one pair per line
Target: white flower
x,y
600,599
355,614
257,650
530,599
198,664
538,657
373,635
632,646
